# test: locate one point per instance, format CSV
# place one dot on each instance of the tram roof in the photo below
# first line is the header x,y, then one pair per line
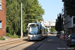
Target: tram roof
x,y
34,23
37,24
43,27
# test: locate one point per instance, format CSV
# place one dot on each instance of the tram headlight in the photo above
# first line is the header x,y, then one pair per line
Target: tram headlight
x,y
30,36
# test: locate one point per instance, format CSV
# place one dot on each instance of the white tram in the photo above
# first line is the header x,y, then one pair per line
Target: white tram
x,y
36,31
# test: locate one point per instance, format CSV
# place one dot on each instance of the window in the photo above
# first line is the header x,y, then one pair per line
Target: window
x,y
0,24
33,30
0,5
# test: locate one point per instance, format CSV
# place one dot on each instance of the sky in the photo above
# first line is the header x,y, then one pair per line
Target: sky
x,y
51,8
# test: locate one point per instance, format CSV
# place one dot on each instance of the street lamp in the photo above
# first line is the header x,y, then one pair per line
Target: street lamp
x,y
21,21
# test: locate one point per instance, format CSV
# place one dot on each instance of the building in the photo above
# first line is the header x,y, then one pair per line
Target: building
x,y
69,22
48,24
2,17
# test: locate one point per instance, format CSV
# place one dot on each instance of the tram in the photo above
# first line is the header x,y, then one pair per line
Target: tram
x,y
36,31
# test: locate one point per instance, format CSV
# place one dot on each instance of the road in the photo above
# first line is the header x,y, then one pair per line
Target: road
x,y
54,43
50,43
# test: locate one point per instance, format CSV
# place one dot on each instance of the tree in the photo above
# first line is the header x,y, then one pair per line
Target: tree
x,y
70,7
59,23
52,29
13,16
31,10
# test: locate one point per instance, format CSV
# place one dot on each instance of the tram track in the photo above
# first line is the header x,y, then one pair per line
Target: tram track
x,y
9,43
16,44
12,41
22,45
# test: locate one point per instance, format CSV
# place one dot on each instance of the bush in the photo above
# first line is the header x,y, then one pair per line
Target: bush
x,y
12,36
2,38
52,29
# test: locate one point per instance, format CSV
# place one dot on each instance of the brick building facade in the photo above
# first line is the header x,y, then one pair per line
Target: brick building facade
x,y
2,17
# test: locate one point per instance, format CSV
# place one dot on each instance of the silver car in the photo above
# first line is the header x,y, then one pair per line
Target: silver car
x,y
71,40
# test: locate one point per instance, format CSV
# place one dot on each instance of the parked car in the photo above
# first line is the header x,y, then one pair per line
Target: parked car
x,y
71,40
51,33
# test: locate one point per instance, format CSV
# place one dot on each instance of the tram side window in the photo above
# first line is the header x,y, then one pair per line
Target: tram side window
x,y
43,31
46,30
40,32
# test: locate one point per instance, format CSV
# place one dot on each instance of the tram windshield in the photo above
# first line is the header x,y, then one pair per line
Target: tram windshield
x,y
33,30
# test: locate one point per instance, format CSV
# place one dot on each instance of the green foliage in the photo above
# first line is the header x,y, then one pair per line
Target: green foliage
x,y
70,7
46,30
2,38
59,23
31,10
12,36
52,29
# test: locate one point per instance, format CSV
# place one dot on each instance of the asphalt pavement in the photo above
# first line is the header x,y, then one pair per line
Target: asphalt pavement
x,y
54,43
